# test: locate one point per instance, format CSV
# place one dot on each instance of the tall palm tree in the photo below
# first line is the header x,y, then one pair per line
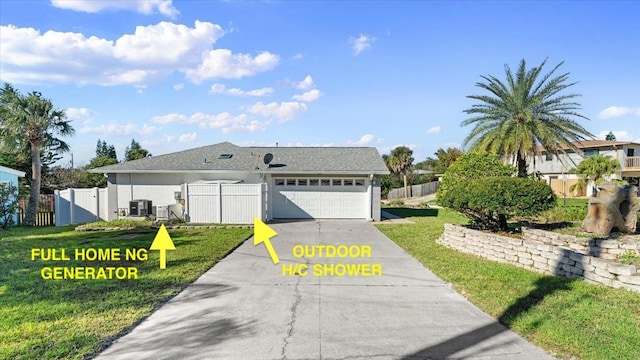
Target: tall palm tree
x,y
524,113
32,121
400,162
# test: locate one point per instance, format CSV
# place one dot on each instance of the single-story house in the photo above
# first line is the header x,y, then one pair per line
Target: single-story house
x,y
10,176
225,183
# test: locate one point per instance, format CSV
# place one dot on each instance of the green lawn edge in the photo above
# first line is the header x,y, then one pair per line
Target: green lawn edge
x,y
567,318
76,319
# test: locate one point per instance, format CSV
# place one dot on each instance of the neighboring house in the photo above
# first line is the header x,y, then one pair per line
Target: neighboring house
x,y
231,184
10,176
555,169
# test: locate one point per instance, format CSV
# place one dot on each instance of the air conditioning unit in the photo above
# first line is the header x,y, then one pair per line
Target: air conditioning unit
x,y
140,208
175,211
162,212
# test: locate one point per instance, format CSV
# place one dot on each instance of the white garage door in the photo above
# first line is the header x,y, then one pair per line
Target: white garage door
x,y
320,198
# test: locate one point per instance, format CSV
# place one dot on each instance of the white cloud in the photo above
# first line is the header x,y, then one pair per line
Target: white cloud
x,y
284,111
222,89
434,130
298,56
187,137
363,141
222,63
83,115
119,129
306,83
361,43
226,122
166,43
253,126
178,87
151,53
621,135
164,7
618,111
308,96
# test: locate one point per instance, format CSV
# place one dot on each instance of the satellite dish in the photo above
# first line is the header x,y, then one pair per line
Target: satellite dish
x,y
268,157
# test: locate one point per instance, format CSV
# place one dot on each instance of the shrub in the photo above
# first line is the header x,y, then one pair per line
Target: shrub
x,y
490,202
9,204
396,202
565,213
468,167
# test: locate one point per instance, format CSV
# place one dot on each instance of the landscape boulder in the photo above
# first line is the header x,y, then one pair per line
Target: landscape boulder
x,y
615,207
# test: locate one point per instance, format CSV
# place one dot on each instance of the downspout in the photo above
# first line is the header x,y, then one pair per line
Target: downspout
x,y
370,197
130,187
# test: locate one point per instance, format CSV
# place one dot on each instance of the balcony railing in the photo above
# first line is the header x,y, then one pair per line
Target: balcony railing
x,y
632,162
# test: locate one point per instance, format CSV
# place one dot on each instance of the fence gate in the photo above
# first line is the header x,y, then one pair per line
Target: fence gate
x,y
224,203
80,206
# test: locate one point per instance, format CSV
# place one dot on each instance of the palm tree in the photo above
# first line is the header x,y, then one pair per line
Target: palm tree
x,y
32,121
594,168
524,113
399,162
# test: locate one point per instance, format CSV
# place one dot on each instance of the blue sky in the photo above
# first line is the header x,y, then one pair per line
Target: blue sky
x,y
177,75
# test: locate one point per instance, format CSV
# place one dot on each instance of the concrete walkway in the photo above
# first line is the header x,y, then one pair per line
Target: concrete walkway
x,y
244,308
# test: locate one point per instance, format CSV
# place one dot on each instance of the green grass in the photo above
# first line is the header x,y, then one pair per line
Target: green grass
x,y
567,318
577,202
71,319
118,223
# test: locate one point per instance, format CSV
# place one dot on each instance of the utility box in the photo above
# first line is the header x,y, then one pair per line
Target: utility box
x,y
140,208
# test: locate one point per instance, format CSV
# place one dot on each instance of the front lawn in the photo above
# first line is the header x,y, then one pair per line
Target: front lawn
x,y
565,317
72,319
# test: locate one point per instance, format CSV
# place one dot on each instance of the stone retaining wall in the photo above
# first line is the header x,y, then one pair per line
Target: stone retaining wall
x,y
552,253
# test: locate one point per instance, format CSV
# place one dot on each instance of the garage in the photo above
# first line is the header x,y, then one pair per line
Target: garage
x,y
321,198
288,183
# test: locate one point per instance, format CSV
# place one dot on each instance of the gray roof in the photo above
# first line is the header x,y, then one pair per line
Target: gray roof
x,y
317,160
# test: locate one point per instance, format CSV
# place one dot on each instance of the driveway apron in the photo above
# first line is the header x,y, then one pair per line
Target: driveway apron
x,y
245,307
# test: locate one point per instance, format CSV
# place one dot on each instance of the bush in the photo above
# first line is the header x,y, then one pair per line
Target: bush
x,y
468,167
490,202
396,203
565,213
9,204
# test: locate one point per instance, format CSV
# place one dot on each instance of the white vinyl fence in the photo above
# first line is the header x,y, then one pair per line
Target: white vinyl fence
x,y
80,206
221,203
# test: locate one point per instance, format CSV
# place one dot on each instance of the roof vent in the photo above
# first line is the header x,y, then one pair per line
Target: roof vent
x,y
225,156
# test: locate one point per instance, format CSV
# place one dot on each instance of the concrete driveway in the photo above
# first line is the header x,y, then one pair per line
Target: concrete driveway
x,y
245,308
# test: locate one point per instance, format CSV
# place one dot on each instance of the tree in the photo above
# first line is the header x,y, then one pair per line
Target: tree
x,y
102,149
610,136
489,202
9,204
105,155
97,180
444,159
594,168
469,167
524,115
135,151
399,162
32,121
63,177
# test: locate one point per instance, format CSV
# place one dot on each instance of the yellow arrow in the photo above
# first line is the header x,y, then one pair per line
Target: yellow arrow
x,y
162,242
262,233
